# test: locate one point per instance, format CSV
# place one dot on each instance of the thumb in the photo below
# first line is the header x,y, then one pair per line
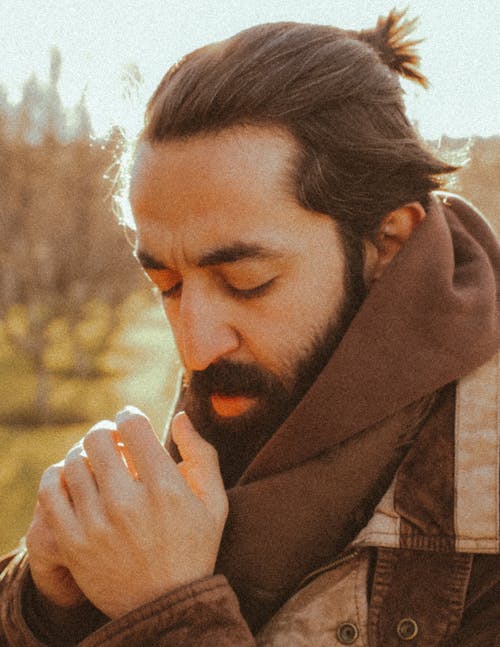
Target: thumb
x,y
200,465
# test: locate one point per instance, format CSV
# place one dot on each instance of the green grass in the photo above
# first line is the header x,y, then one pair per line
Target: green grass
x,y
142,369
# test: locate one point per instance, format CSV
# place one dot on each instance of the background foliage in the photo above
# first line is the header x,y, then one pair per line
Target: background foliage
x,y
80,332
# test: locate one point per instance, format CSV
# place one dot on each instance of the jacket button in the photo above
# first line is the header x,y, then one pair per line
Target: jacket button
x,y
407,629
347,633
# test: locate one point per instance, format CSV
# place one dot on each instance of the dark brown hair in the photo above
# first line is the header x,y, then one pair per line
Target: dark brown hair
x,y
337,92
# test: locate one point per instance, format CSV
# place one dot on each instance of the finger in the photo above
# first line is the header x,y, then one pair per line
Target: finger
x,y
80,481
152,462
125,455
200,465
39,536
54,501
110,471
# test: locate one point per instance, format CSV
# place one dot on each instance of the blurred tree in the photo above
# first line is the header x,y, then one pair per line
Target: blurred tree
x,y
66,265
478,176
479,181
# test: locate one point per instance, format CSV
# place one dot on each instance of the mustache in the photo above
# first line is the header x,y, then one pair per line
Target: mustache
x,y
231,379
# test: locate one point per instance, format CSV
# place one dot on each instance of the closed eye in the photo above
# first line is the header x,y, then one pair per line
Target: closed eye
x,y
238,293
172,292
250,293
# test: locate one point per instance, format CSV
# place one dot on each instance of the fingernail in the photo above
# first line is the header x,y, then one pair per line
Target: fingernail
x,y
103,424
128,412
182,421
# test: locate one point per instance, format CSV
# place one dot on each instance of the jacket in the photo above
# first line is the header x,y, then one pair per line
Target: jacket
x,y
421,354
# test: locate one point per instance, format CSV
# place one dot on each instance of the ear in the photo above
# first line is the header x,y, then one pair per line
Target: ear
x,y
394,231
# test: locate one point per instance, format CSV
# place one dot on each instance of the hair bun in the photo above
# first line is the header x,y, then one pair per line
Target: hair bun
x,y
390,40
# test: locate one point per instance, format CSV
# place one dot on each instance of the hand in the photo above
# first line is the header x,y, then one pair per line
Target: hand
x,y
130,524
49,574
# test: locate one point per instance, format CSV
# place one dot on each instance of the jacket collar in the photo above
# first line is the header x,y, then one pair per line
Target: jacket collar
x,y
445,495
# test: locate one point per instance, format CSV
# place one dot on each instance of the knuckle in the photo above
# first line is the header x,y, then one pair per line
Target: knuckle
x,y
73,463
210,451
165,492
130,416
98,528
122,507
77,446
96,433
51,473
39,540
48,483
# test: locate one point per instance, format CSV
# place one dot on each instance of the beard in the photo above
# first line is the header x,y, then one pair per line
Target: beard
x,y
239,438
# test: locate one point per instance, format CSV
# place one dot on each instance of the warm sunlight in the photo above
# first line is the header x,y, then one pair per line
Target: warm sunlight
x,y
249,344
106,46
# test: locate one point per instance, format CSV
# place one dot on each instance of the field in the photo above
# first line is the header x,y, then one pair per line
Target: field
x,y
143,370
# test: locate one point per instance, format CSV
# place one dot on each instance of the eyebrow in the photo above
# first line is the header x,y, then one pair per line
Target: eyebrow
x,y
227,254
148,262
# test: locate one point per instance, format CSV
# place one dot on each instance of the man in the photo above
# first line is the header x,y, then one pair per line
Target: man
x,y
338,324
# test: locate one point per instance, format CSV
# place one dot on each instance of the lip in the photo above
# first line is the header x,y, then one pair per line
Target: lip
x,y
230,406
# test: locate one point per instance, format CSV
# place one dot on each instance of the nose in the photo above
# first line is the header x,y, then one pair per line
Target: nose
x,y
202,329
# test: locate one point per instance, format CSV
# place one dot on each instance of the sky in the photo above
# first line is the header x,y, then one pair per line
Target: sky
x,y
101,39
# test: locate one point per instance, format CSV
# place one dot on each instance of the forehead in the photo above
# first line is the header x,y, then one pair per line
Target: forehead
x,y
262,156
211,189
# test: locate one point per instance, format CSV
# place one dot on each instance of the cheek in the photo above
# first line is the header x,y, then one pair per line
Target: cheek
x,y
279,337
277,344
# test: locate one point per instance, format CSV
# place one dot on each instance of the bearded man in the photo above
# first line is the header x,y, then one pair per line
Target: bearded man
x,y
332,473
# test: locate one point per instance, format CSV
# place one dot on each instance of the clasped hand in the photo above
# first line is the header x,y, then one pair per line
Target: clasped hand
x,y
120,523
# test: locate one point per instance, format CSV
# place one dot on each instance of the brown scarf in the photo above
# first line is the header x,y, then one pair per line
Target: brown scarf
x,y
431,318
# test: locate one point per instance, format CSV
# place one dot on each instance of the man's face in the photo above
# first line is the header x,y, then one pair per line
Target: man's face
x,y
253,284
